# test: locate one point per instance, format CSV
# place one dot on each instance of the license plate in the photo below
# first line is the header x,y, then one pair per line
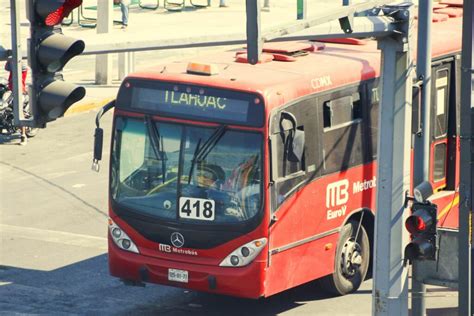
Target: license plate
x,y
178,275
200,209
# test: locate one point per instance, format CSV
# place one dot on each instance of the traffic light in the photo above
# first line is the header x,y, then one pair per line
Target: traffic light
x,y
49,52
422,226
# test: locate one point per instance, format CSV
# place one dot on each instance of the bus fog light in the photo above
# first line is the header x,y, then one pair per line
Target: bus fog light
x,y
245,254
116,232
234,260
120,238
126,243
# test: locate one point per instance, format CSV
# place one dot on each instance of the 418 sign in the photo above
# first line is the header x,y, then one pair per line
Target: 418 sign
x,y
200,209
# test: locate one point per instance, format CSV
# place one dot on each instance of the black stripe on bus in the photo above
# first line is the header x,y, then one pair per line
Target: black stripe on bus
x,y
304,241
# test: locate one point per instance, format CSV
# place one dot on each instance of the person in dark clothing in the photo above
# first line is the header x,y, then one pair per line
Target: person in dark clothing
x,y
24,73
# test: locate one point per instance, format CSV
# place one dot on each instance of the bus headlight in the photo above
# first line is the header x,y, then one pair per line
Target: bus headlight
x,y
120,238
245,254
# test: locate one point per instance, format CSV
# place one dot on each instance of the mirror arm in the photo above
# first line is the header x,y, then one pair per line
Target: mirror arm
x,y
99,136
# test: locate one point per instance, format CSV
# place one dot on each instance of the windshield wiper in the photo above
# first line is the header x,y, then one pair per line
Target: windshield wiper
x,y
193,161
157,144
201,152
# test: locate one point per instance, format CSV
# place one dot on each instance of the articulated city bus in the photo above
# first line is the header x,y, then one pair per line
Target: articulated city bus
x,y
249,180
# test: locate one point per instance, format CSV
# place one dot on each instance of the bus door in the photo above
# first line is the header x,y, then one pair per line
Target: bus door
x,y
443,128
290,173
295,203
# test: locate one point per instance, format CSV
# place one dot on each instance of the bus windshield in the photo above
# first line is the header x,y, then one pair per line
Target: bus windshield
x,y
187,173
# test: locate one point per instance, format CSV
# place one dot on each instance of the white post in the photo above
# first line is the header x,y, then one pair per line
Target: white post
x,y
16,63
103,62
126,64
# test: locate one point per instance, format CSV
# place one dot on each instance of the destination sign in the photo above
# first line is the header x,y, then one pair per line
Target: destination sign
x,y
203,104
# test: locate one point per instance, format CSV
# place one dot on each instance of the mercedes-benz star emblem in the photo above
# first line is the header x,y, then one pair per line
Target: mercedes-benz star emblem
x,y
177,240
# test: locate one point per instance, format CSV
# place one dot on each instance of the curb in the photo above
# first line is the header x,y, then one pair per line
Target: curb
x,y
87,106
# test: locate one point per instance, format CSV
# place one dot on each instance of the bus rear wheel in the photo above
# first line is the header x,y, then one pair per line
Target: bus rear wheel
x,y
351,261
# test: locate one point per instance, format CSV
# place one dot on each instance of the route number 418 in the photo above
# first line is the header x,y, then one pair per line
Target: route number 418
x,y
200,209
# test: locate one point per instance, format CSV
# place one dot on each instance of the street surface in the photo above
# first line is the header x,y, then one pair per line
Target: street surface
x,y
53,229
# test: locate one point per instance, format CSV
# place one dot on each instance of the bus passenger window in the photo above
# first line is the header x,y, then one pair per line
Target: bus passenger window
x,y
372,123
342,133
439,129
288,149
439,169
342,111
441,121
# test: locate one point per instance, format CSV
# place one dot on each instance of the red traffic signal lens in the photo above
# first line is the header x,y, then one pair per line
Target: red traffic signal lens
x,y
415,224
57,16
422,220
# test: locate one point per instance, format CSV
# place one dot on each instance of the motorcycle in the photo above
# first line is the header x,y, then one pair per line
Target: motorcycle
x,y
7,125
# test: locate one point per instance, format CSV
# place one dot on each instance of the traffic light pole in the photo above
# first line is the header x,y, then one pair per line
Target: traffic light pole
x,y
466,190
390,292
254,31
15,63
422,138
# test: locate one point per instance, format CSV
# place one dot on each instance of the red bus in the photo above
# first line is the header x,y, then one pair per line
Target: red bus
x,y
250,180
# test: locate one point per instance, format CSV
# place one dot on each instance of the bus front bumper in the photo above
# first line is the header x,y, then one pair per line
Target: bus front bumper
x,y
242,282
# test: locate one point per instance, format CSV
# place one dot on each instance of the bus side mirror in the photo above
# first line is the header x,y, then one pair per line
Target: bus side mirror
x,y
98,143
294,139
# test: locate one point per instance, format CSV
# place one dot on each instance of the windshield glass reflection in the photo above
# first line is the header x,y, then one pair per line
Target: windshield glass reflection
x,y
187,173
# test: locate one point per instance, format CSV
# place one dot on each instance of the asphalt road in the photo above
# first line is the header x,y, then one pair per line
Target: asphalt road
x,y
53,227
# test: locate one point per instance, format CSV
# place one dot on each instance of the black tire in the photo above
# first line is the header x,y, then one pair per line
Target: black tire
x,y
348,279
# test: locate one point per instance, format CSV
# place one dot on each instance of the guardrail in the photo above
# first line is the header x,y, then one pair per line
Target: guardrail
x,y
364,27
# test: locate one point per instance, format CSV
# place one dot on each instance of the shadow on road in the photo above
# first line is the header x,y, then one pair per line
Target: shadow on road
x,y
212,304
86,287
82,288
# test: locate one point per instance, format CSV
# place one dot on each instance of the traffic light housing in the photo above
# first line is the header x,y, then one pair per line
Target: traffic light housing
x,y
422,227
49,52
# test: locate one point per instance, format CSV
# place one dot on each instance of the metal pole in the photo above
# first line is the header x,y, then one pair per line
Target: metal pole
x,y
423,73
16,63
466,190
254,38
390,292
422,138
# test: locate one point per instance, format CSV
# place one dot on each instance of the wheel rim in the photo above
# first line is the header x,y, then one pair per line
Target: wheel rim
x,y
351,258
